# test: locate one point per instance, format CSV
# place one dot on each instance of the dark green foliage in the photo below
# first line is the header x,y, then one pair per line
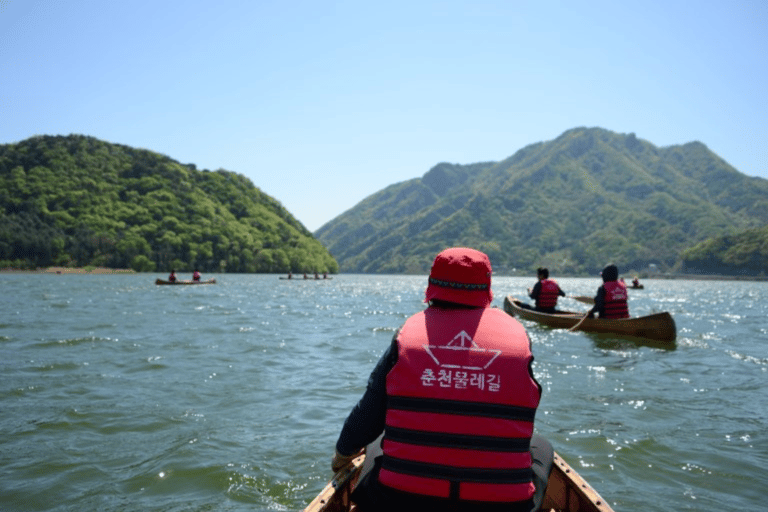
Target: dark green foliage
x,y
573,204
78,201
745,253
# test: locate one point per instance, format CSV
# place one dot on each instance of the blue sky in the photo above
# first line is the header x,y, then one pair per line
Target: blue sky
x,y
323,103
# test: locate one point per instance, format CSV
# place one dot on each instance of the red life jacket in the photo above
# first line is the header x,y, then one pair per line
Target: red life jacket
x,y
547,294
461,405
616,300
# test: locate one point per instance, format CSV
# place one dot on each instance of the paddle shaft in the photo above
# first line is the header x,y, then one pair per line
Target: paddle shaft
x,y
579,322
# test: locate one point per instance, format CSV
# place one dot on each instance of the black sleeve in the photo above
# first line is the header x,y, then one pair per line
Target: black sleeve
x,y
366,421
599,306
536,290
560,291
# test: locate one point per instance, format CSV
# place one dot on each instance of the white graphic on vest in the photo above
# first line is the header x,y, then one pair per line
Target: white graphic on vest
x,y
463,353
456,360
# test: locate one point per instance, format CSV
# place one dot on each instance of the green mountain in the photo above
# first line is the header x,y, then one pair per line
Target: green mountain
x,y
79,201
744,253
572,204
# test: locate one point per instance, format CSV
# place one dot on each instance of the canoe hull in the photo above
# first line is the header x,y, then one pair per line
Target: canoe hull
x,y
306,278
567,491
164,282
656,327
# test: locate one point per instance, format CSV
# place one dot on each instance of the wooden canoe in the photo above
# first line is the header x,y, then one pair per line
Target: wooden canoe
x,y
305,278
567,491
656,327
163,281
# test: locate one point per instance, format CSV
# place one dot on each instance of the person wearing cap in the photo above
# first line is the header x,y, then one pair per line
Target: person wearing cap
x,y
611,298
447,418
545,292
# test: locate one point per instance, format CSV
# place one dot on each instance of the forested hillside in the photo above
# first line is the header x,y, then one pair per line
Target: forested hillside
x,y
79,201
744,254
573,204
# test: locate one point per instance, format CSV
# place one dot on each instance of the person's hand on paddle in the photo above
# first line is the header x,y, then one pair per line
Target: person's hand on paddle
x,y
339,460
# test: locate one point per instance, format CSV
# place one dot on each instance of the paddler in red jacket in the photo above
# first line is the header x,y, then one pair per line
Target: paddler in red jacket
x,y
545,292
611,298
448,413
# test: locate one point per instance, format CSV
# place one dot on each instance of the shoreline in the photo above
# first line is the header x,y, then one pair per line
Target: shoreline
x,y
109,271
69,270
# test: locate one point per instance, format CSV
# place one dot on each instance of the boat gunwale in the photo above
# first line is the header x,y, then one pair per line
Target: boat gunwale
x,y
184,282
633,326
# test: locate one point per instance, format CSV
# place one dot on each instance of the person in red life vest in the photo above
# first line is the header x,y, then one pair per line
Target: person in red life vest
x,y
611,298
196,275
545,292
447,419
172,277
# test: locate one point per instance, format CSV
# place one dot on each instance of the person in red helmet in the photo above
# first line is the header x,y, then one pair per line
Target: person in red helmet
x,y
447,419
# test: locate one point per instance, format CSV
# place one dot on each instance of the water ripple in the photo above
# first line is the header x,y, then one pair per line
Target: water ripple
x,y
121,395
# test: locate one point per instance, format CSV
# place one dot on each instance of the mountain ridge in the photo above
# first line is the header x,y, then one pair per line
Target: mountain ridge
x,y
588,197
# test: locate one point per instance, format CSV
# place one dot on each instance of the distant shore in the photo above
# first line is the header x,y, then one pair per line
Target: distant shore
x,y
708,277
107,271
70,270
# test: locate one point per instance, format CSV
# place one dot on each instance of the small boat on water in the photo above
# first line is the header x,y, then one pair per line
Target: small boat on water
x,y
305,278
163,281
636,287
567,491
656,327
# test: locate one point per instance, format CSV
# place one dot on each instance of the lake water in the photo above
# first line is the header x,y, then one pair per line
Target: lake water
x,y
117,394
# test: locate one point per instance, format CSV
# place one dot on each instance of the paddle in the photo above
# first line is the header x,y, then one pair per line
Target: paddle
x,y
579,322
336,495
341,462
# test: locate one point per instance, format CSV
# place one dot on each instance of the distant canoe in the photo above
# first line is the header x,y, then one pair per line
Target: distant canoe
x,y
566,491
163,281
306,278
656,327
638,287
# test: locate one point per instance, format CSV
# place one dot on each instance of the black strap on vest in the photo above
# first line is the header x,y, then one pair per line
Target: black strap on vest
x,y
453,491
459,441
431,405
483,475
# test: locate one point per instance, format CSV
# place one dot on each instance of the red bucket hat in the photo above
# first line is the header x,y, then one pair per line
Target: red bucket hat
x,y
462,276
